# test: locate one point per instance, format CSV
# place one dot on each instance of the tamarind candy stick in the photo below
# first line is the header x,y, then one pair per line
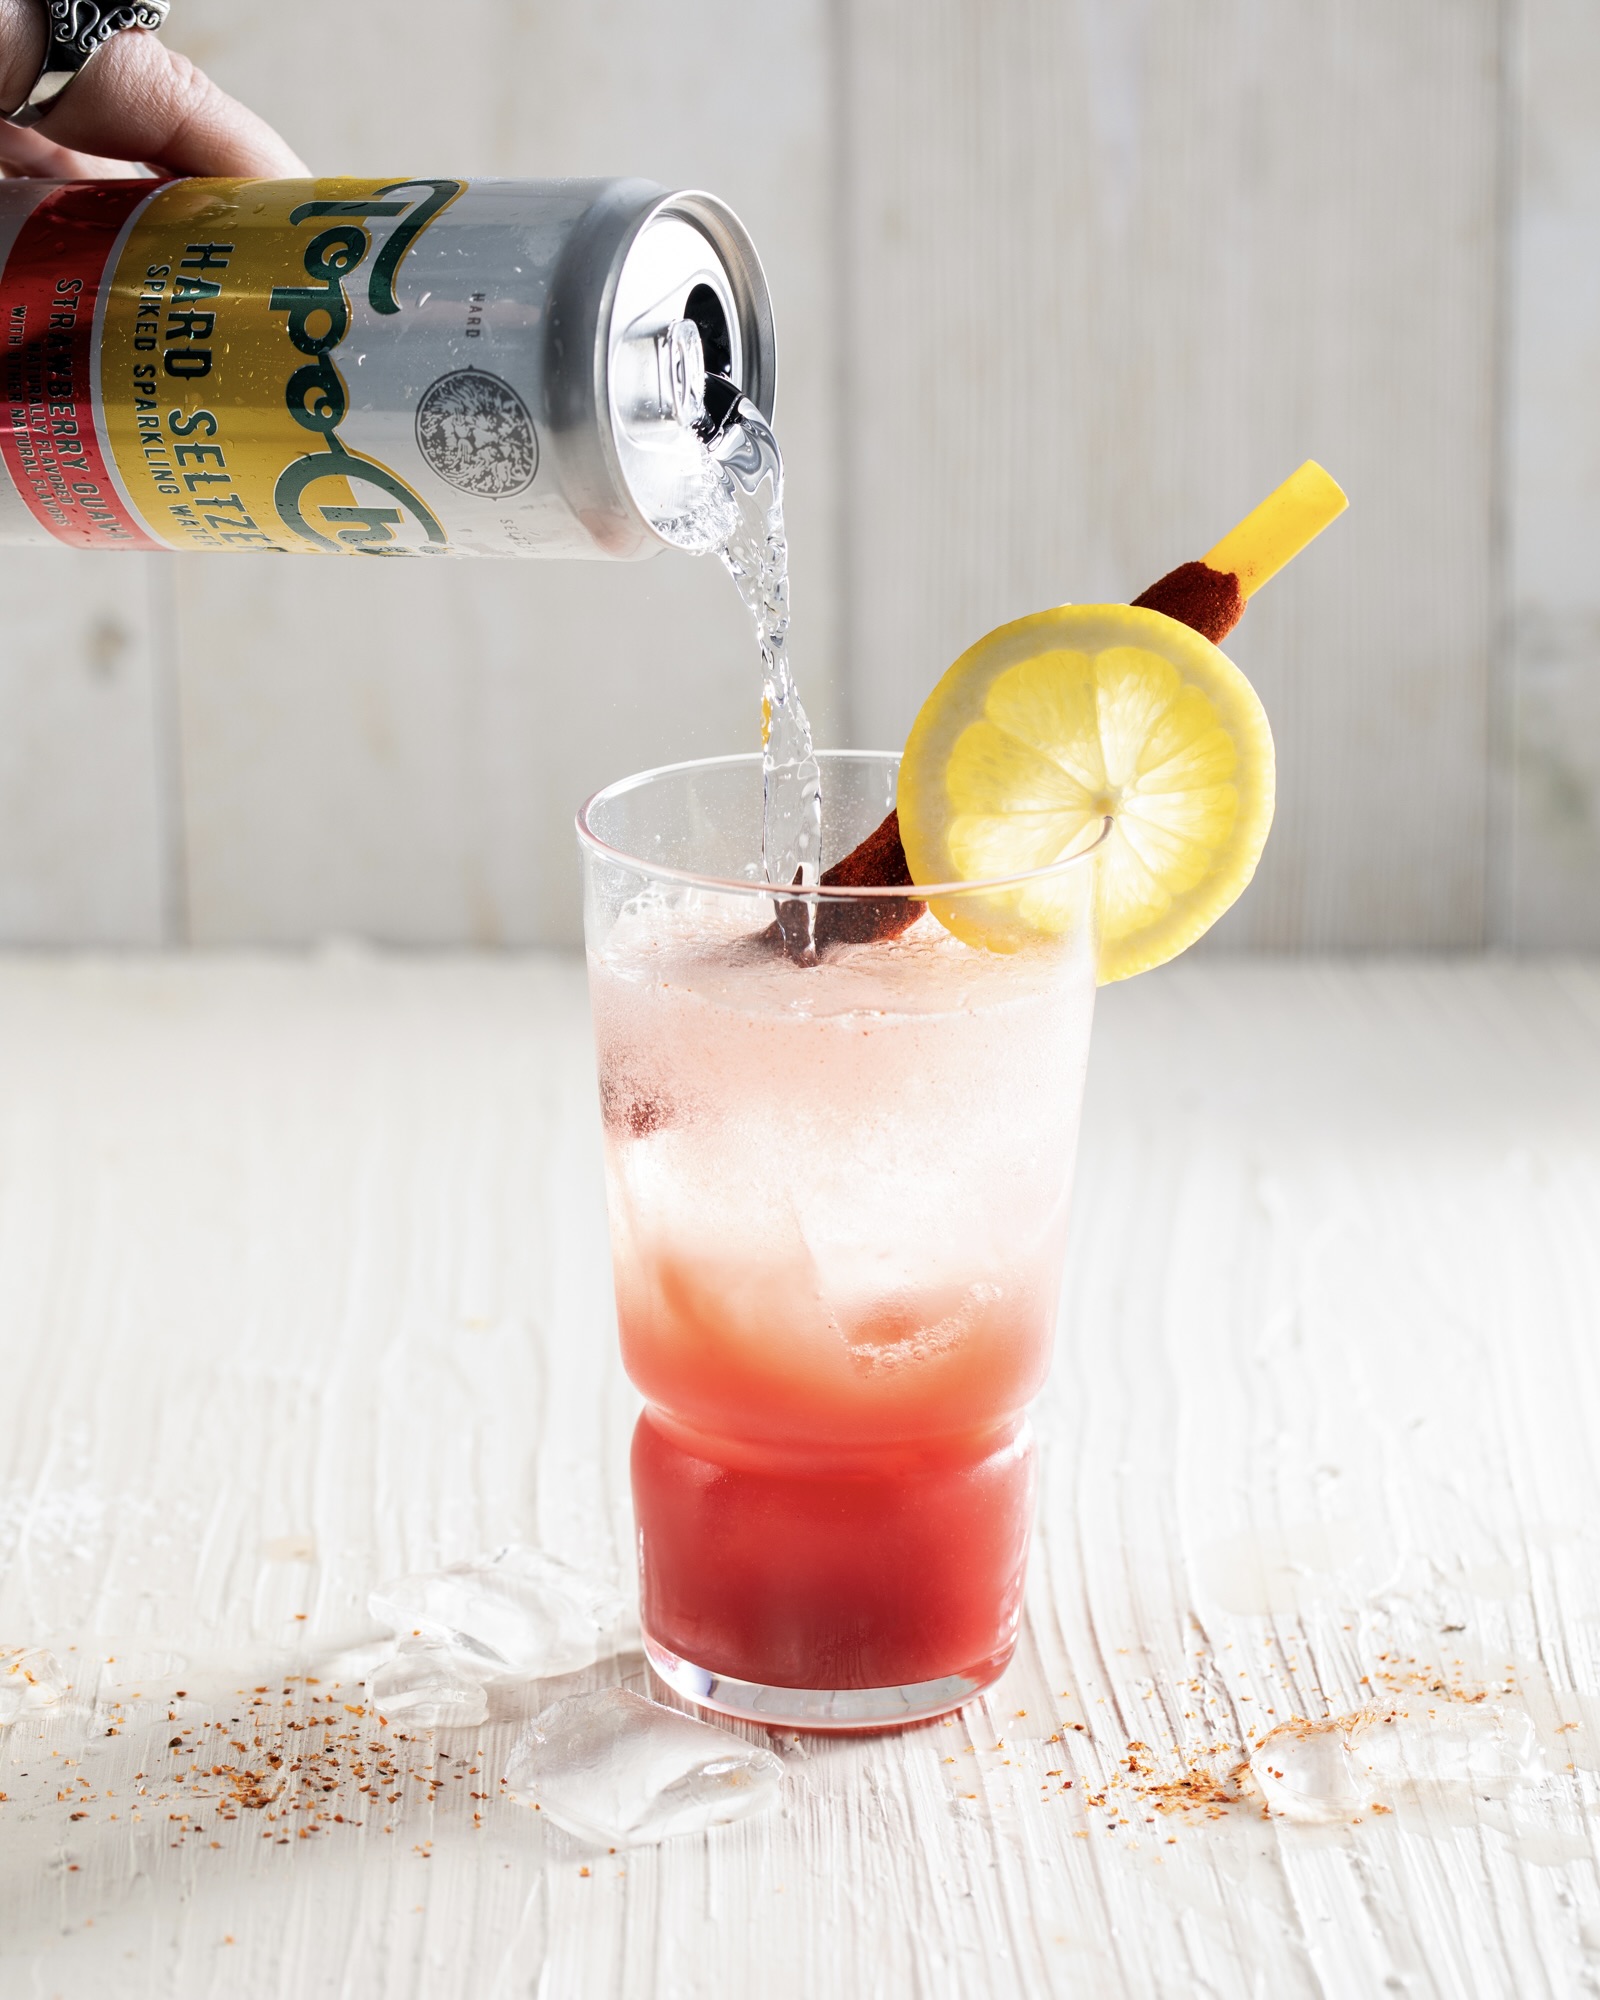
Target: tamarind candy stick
x,y
1275,532
1209,596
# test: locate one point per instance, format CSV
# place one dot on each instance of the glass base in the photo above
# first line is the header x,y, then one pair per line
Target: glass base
x,y
831,1709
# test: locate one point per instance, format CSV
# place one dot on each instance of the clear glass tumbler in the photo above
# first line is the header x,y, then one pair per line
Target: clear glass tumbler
x,y
837,1186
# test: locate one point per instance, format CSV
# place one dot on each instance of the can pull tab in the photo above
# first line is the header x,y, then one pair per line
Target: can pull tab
x,y
681,371
659,381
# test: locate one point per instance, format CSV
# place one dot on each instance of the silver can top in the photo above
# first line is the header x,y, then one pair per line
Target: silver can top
x,y
676,292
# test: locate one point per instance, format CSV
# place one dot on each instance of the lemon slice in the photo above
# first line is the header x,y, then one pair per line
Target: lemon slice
x,y
1053,724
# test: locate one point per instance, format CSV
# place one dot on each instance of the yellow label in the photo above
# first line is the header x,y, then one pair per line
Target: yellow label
x,y
231,328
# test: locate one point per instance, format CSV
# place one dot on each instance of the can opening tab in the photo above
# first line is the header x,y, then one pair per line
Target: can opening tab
x,y
662,379
681,370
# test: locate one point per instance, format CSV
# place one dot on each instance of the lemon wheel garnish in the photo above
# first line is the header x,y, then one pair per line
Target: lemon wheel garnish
x,y
1050,726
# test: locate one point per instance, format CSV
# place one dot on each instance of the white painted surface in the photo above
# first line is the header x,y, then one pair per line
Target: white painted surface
x,y
303,1282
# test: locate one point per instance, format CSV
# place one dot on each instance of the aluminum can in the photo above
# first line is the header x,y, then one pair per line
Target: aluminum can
x,y
367,367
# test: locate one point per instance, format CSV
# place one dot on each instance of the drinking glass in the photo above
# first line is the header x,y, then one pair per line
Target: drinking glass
x,y
837,1181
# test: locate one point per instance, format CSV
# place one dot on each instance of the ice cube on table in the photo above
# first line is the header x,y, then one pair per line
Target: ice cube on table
x,y
1426,1741
516,1612
1306,1771
30,1679
427,1685
617,1768
1335,1769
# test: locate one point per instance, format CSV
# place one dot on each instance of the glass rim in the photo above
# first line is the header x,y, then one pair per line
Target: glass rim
x,y
917,892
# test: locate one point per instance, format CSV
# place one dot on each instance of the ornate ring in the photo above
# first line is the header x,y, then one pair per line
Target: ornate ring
x,y
75,29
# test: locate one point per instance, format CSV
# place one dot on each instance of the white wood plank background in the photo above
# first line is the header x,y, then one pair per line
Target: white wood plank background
x,y
1154,257
303,1282
90,845
1550,871
1089,278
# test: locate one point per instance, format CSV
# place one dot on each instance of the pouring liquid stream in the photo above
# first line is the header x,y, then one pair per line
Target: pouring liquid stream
x,y
740,515
755,554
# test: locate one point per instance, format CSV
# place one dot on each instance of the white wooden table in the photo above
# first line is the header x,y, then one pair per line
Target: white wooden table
x,y
303,1282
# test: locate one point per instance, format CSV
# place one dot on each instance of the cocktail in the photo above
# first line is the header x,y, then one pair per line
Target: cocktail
x,y
838,1197
841,1116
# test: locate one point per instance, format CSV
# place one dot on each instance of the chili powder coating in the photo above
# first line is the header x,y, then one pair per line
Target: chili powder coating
x,y
878,863
1208,601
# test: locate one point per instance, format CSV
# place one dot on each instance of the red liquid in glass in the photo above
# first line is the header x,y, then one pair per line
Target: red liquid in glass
x,y
883,1572
810,1520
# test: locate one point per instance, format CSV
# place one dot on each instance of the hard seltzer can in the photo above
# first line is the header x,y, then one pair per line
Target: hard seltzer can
x,y
368,367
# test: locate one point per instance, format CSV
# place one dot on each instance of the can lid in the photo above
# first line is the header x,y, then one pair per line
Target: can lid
x,y
690,299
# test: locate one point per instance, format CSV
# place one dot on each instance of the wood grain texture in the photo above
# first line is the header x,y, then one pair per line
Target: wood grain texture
x,y
87,780
401,757
1113,272
1549,875
303,1281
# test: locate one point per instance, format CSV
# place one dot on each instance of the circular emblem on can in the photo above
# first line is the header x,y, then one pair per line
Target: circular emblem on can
x,y
475,432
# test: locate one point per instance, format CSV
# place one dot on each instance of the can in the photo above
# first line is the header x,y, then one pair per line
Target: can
x,y
380,367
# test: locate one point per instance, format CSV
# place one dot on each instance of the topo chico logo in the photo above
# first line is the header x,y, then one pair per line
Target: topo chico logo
x,y
475,432
318,318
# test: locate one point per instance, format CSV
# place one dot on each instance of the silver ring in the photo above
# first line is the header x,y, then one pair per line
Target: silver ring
x,y
75,30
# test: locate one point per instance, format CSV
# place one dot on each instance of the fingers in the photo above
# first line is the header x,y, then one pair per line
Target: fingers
x,y
24,154
139,100
21,48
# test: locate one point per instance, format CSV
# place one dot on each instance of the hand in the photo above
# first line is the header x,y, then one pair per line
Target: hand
x,y
137,104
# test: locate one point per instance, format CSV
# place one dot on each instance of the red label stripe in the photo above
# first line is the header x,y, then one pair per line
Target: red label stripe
x,y
48,433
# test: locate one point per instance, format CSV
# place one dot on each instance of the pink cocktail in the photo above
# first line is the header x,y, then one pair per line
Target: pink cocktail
x,y
838,1198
